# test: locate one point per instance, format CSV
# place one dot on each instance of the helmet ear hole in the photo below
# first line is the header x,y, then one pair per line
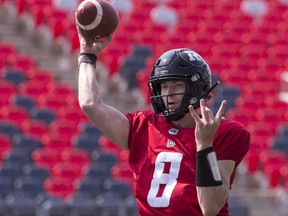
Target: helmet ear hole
x,y
204,89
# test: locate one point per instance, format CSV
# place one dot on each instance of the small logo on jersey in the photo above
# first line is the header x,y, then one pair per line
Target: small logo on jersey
x,y
173,131
170,143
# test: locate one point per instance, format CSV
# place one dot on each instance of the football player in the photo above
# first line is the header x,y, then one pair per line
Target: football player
x,y
183,157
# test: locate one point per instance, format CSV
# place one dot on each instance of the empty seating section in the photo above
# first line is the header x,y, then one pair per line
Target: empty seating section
x,y
52,156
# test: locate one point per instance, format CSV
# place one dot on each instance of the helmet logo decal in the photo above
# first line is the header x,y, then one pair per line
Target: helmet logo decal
x,y
173,131
193,56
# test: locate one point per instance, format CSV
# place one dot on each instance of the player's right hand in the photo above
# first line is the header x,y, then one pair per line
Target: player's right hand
x,y
93,45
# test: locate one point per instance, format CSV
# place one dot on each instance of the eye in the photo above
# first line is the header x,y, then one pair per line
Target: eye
x,y
164,86
179,85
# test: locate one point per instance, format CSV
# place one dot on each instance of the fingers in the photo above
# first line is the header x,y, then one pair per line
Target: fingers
x,y
194,114
206,114
219,115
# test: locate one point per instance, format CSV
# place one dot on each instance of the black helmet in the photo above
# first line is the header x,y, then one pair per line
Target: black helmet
x,y
180,64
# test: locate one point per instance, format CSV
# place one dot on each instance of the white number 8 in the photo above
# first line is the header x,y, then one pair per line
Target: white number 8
x,y
160,178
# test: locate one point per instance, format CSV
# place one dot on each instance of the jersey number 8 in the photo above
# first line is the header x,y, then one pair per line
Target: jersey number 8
x,y
168,179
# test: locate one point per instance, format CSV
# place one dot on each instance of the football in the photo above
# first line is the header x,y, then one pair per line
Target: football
x,y
96,18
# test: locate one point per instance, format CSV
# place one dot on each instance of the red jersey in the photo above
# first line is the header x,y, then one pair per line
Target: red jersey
x,y
163,159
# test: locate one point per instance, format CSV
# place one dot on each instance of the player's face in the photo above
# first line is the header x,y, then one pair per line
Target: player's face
x,y
173,92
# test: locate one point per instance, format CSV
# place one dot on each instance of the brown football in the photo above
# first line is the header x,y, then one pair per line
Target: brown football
x,y
96,18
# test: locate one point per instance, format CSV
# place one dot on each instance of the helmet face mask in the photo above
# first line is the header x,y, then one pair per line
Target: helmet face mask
x,y
180,64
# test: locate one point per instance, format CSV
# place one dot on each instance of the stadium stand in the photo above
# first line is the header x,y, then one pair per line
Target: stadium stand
x,y
50,150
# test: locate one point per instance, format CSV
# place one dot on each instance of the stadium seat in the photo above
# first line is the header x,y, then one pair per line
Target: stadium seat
x,y
97,171
238,207
45,115
39,75
76,157
28,185
55,141
14,114
119,188
122,172
82,205
36,172
26,142
103,158
45,157
107,145
10,171
71,113
90,187
67,171
4,210
34,127
20,204
6,187
50,102
66,129
109,204
54,207
32,89
131,207
14,76
23,101
228,93
89,129
18,157
60,90
5,147
7,89
269,162
280,143
85,142
23,62
59,187
38,13
8,128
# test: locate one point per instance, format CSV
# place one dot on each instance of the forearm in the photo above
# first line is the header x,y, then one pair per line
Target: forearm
x,y
212,189
212,199
88,91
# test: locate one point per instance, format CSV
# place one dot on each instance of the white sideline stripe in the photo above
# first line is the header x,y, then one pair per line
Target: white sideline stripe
x,y
98,18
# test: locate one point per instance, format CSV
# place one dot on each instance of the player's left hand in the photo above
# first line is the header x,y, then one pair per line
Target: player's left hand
x,y
207,124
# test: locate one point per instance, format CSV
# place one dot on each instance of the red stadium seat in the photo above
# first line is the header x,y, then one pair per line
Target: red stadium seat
x,y
72,114
59,187
270,162
55,141
14,114
64,128
67,171
5,147
46,157
34,128
39,13
106,145
7,91
40,75
76,157
50,102
32,89
122,172
60,90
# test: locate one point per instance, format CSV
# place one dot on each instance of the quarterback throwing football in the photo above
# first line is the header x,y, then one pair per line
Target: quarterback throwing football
x,y
184,161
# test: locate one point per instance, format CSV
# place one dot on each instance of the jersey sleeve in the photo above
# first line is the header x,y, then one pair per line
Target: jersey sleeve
x,y
232,142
